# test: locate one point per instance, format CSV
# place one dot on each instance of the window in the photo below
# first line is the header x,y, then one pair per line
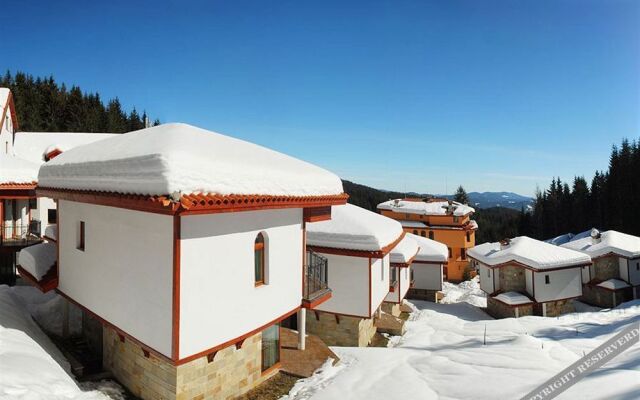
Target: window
x,y
258,252
638,266
423,233
432,235
81,233
415,232
450,252
33,204
463,254
52,215
456,219
6,147
546,279
394,276
468,236
270,347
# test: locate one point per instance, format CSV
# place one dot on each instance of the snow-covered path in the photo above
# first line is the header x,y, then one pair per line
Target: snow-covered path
x,y
442,356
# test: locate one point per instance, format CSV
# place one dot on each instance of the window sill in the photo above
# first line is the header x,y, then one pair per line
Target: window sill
x,y
258,284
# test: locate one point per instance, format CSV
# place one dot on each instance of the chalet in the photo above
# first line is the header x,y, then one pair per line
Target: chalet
x,y
441,220
524,276
24,216
356,244
181,244
400,259
614,276
427,269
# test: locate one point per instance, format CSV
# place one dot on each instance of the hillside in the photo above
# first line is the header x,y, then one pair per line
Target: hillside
x,y
498,199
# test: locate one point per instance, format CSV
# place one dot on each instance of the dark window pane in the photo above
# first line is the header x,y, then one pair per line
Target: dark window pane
x,y
270,346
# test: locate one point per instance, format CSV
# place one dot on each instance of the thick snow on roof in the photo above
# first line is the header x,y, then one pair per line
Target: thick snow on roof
x,y
613,284
413,224
51,231
38,259
533,253
560,240
615,242
404,251
4,97
424,208
14,169
33,146
513,298
354,228
177,157
430,250
28,367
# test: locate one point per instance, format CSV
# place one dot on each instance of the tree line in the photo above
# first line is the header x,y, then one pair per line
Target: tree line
x,y
44,105
610,201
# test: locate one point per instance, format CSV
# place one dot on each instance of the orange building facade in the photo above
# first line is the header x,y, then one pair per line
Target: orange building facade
x,y
446,222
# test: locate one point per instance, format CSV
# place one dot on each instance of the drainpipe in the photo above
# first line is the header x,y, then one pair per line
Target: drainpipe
x,y
544,309
379,312
302,328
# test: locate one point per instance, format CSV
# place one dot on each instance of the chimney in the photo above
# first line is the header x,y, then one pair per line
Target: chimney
x,y
505,243
396,202
596,236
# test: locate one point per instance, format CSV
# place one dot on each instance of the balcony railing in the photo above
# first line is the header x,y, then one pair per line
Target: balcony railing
x,y
315,277
20,234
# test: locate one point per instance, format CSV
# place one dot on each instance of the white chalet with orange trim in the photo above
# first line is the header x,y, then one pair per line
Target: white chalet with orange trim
x,y
188,247
356,244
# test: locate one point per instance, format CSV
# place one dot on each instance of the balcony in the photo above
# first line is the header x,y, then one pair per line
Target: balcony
x,y
315,288
20,235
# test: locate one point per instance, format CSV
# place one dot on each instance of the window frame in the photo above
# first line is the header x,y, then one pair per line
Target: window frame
x,y
547,279
82,230
259,246
55,213
264,369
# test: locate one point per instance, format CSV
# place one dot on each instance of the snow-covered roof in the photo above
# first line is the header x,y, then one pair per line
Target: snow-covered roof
x,y
533,253
404,251
430,250
16,170
38,259
413,224
614,242
4,99
513,298
33,146
560,240
613,284
177,157
425,208
354,228
51,231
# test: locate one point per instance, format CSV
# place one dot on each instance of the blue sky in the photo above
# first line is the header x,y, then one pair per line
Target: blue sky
x,y
403,95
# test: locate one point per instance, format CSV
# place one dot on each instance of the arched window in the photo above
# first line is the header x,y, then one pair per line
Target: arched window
x,y
258,251
415,232
423,233
431,235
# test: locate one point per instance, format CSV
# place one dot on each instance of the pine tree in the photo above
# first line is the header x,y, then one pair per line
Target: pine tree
x,y
461,195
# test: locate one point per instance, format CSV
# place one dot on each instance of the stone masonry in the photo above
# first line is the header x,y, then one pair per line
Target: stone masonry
x,y
512,279
601,297
498,309
391,308
422,294
229,374
606,268
343,331
555,308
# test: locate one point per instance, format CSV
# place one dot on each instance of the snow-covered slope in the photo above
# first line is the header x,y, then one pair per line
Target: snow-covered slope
x,y
442,356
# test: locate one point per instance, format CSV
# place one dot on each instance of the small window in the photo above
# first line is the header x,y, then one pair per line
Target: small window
x,y
270,347
81,234
52,215
423,233
432,235
468,236
546,279
6,147
258,252
463,254
33,204
638,266
450,252
456,219
394,276
415,232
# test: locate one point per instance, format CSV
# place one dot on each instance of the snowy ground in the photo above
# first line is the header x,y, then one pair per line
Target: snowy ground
x,y
442,356
31,367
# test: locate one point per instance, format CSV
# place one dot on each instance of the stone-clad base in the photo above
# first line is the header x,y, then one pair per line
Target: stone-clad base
x,y
340,330
391,308
601,297
498,309
422,294
232,371
555,308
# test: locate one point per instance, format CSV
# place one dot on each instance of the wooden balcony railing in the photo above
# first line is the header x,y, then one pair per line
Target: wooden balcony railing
x,y
13,234
315,279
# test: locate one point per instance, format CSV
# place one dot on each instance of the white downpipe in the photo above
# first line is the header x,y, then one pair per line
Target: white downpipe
x,y
302,328
544,309
517,312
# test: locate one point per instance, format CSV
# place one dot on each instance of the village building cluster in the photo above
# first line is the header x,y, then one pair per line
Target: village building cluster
x,y
192,255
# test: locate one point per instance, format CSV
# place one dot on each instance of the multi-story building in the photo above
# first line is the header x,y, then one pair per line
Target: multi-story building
x,y
187,248
524,276
444,221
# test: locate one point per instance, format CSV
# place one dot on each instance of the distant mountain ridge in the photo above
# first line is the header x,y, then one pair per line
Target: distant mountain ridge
x,y
369,198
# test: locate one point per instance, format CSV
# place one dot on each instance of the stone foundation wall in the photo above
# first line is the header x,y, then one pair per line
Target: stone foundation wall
x,y
498,309
512,279
606,268
555,308
349,331
422,294
146,377
391,308
600,297
232,372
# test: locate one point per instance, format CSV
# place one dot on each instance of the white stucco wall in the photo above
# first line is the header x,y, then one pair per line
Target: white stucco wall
x,y
528,281
405,281
349,283
585,274
623,264
42,212
487,278
394,296
6,134
427,276
634,271
563,284
379,281
218,297
125,273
